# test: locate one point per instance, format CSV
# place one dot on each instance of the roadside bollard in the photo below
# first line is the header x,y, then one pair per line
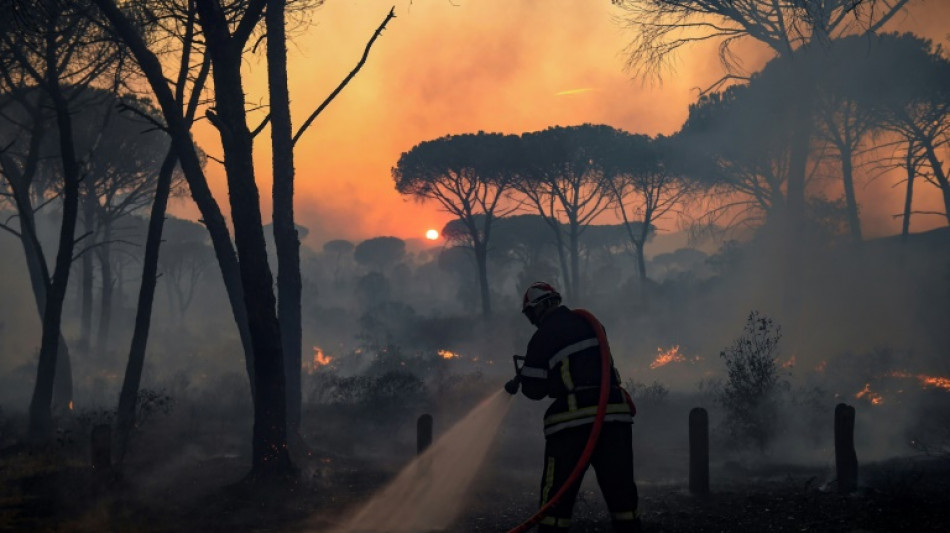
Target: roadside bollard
x,y
423,433
846,459
698,451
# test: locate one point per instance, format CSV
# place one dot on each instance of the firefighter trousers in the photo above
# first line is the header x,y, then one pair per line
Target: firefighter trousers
x,y
613,463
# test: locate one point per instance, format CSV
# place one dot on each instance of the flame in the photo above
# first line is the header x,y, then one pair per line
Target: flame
x,y
925,380
790,363
664,358
867,393
934,381
319,358
70,405
445,354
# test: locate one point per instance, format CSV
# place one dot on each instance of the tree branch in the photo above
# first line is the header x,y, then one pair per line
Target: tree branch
x,y
346,80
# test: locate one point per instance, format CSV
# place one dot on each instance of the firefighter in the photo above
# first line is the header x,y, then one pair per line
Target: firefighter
x,y
563,361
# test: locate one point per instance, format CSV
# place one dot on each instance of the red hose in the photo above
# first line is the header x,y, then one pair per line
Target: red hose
x,y
581,465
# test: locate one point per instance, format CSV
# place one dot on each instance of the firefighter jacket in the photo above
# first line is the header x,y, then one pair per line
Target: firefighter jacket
x,y
563,362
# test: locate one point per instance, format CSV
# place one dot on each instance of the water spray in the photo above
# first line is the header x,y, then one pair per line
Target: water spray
x,y
427,494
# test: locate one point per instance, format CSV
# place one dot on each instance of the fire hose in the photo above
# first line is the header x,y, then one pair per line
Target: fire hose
x,y
581,466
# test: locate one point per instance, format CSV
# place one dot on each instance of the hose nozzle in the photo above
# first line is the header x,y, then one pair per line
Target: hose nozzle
x,y
512,386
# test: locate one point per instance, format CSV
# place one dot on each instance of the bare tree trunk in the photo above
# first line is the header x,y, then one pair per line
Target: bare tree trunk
x,y
289,284
269,442
105,297
794,214
125,414
940,176
847,175
40,281
562,259
481,260
180,133
575,262
909,197
88,278
41,423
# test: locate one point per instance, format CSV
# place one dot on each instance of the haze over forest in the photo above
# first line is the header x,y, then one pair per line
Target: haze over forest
x,y
760,218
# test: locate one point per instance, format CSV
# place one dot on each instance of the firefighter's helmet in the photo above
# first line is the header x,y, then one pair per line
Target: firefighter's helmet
x,y
539,292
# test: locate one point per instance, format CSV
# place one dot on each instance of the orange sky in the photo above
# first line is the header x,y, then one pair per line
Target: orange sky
x,y
446,67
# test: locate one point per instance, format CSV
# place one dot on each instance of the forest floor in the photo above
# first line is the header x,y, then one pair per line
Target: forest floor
x,y
41,491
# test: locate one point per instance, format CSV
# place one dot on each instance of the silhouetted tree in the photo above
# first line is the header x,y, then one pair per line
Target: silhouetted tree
x,y
27,142
56,47
843,120
911,96
661,27
560,175
468,175
380,253
169,29
339,248
122,154
733,141
644,186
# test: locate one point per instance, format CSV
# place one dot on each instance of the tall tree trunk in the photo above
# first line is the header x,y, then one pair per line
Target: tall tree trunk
x,y
575,262
847,175
88,278
39,282
481,261
105,297
180,132
289,284
40,279
940,175
794,214
41,423
269,442
909,197
125,414
562,259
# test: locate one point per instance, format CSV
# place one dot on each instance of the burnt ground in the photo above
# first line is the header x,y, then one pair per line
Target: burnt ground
x,y
42,491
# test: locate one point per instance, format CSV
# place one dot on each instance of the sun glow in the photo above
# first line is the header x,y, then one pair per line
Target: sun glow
x,y
432,234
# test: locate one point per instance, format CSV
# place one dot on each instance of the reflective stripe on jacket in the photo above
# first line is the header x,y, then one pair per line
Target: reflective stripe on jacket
x,y
563,362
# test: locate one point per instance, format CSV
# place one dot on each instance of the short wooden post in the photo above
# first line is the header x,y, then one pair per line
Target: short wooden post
x,y
101,454
846,459
698,451
423,433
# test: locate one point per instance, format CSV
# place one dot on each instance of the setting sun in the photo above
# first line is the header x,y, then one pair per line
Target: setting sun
x,y
432,234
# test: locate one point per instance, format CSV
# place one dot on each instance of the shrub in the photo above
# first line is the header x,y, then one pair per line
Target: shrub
x,y
654,393
750,394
